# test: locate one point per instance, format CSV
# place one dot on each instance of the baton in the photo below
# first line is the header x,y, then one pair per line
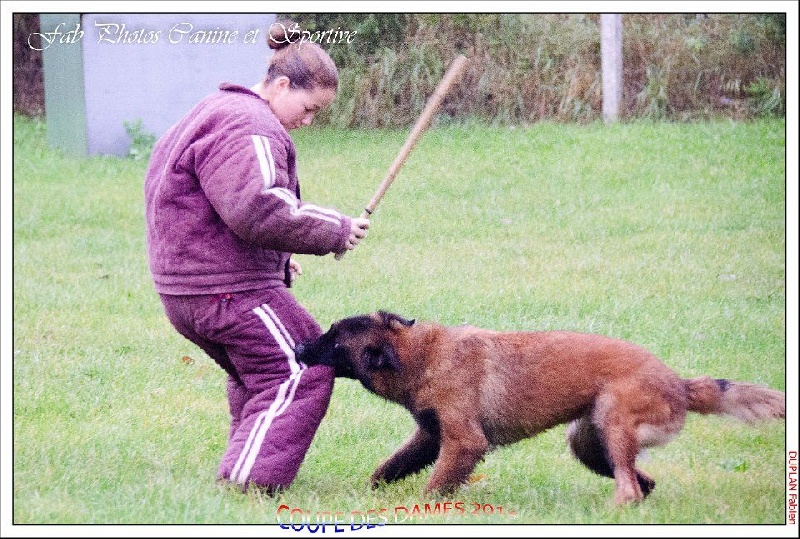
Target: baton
x,y
434,102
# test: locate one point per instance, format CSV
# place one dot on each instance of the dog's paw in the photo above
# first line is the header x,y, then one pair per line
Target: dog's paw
x,y
377,481
627,496
646,483
477,478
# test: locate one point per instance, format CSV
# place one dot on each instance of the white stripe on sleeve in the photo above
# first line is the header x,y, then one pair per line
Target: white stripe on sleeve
x,y
310,210
265,161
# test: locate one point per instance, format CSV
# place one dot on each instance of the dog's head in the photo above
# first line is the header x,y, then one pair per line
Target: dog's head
x,y
358,347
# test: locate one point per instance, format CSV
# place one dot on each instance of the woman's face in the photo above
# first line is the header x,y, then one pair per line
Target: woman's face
x,y
297,107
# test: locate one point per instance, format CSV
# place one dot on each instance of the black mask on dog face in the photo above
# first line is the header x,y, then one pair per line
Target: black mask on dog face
x,y
356,347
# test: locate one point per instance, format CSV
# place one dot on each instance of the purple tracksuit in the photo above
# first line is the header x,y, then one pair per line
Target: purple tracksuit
x,y
223,216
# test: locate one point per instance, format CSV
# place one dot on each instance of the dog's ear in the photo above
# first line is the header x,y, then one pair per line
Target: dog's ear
x,y
384,357
394,321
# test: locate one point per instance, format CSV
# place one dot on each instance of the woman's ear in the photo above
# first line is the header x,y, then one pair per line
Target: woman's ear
x,y
279,87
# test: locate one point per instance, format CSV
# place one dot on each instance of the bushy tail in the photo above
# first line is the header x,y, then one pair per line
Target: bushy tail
x,y
745,402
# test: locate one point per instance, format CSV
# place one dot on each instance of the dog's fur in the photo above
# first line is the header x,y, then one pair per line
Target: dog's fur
x,y
470,389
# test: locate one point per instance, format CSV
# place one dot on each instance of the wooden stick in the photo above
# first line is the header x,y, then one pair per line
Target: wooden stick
x,y
434,102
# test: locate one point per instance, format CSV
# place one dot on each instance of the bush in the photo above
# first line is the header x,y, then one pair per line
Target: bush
x,y
531,67
142,141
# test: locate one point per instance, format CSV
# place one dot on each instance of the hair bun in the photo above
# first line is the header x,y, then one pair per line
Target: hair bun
x,y
282,34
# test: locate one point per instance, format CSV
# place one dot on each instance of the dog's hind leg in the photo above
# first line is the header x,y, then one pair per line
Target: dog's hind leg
x,y
622,451
586,443
629,416
419,451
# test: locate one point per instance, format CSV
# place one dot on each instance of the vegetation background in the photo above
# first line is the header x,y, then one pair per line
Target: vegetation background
x,y
527,67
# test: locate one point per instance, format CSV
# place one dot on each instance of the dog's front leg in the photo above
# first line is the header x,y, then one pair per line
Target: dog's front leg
x,y
463,446
419,451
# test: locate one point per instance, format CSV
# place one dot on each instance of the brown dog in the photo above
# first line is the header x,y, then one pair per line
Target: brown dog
x,y
470,389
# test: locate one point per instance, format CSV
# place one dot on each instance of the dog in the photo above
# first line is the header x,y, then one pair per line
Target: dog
x,y
471,389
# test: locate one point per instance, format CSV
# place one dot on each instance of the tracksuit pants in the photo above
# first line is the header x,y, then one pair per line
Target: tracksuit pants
x,y
276,403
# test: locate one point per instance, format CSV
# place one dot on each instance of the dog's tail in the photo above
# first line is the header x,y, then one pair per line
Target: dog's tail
x,y
746,402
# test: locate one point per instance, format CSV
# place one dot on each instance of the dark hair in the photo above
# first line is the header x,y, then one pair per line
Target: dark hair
x,y
306,64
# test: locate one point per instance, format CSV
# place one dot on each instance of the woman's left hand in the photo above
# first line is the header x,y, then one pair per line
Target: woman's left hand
x,y
294,270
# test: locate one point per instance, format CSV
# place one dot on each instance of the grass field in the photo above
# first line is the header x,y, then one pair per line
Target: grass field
x,y
668,235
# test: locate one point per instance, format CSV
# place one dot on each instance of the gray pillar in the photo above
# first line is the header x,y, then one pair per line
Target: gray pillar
x,y
611,64
64,93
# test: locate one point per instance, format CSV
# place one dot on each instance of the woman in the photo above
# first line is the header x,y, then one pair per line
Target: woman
x,y
224,215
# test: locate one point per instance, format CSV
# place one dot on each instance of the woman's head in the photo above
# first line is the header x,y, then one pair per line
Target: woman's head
x,y
306,64
301,80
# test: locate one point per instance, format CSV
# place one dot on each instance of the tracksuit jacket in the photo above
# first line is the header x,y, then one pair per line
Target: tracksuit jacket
x,y
223,200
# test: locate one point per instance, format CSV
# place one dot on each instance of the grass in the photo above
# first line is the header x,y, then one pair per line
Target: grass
x,y
672,236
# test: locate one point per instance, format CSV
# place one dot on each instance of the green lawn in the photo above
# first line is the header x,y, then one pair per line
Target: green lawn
x,y
668,235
